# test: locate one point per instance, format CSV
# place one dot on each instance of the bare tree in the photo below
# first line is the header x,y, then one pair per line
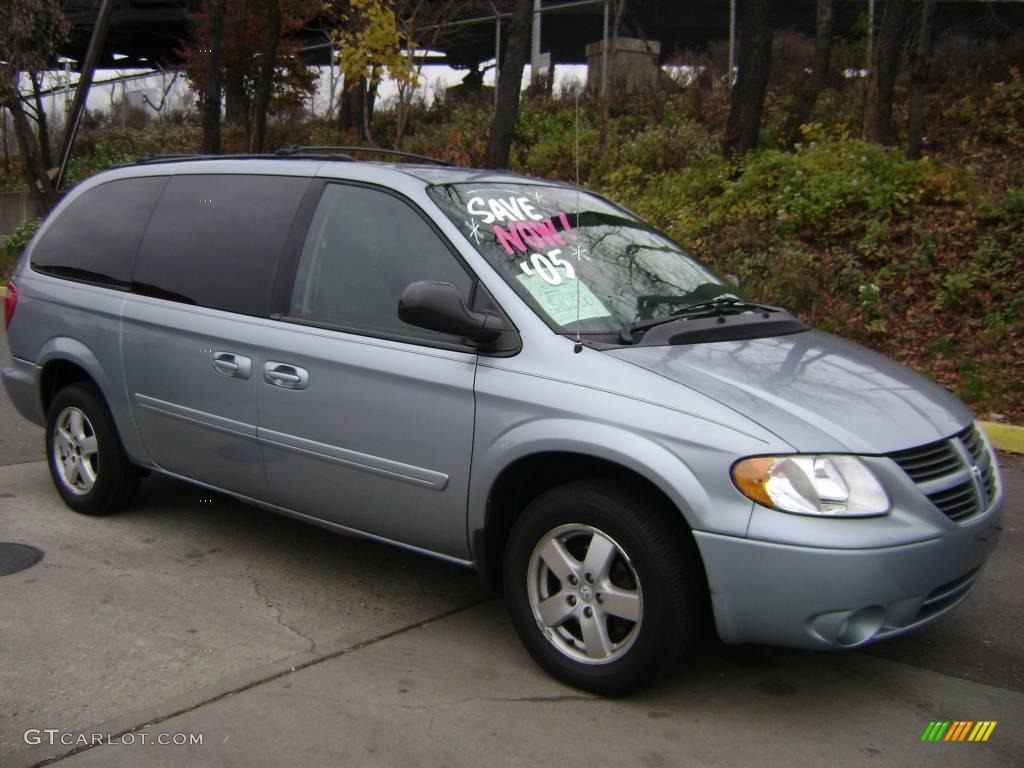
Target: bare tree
x,y
884,65
755,56
499,144
265,82
423,25
30,33
41,121
212,89
919,78
819,73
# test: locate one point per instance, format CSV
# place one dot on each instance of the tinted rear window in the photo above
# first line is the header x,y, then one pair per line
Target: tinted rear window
x,y
96,238
216,240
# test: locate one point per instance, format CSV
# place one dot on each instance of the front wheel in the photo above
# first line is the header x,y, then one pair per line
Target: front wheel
x,y
603,586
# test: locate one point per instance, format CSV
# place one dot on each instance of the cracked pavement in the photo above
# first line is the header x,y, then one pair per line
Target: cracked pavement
x,y
282,644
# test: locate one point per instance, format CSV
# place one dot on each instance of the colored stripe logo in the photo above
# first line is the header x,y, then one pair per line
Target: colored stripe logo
x,y
958,730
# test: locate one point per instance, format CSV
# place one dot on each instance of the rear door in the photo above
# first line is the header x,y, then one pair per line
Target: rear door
x,y
366,421
193,325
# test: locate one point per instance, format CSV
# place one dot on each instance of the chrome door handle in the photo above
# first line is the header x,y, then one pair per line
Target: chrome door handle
x,y
284,375
230,364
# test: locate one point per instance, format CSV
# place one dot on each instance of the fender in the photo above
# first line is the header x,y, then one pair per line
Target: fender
x,y
659,465
73,351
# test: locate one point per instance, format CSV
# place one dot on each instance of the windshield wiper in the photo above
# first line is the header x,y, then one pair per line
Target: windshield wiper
x,y
720,305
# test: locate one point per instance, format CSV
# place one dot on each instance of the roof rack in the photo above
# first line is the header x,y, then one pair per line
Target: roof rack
x,y
346,153
174,158
291,152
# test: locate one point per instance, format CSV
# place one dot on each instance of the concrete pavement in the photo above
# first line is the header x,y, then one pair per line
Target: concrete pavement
x,y
188,614
281,644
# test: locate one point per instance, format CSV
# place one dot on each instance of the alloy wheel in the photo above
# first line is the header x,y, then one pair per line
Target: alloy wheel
x,y
585,594
75,451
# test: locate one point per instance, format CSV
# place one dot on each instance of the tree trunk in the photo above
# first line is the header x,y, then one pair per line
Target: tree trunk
x,y
755,57
44,127
919,79
819,74
350,113
265,83
212,87
236,101
884,64
499,144
35,172
369,100
7,151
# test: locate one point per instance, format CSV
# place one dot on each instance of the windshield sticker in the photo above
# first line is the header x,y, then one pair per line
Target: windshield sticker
x,y
559,300
474,230
517,225
523,236
503,209
547,267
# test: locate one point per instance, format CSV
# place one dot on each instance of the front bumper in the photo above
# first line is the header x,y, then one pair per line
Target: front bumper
x,y
805,597
21,380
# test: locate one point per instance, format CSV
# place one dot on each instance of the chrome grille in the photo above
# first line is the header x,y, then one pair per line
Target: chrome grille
x,y
928,461
957,474
980,456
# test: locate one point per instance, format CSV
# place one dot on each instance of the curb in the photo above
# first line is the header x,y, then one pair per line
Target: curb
x,y
1005,437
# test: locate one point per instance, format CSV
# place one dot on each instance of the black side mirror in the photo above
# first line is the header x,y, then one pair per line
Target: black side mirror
x,y
439,306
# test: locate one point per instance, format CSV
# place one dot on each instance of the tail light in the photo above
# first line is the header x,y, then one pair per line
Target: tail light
x,y
10,303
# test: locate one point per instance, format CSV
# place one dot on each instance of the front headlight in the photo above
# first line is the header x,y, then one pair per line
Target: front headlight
x,y
828,486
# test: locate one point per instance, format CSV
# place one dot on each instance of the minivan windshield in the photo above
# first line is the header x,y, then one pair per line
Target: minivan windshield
x,y
579,261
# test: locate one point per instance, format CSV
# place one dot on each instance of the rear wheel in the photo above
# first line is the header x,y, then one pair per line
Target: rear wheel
x,y
87,461
604,587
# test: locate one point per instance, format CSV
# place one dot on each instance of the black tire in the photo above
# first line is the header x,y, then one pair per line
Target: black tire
x,y
653,549
115,479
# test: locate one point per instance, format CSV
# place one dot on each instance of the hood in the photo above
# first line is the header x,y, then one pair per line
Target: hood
x,y
813,390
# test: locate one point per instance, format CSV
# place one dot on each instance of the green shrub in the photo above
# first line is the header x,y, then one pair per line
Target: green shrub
x,y
13,183
15,244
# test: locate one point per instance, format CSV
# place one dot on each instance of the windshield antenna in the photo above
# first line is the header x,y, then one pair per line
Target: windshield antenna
x,y
578,347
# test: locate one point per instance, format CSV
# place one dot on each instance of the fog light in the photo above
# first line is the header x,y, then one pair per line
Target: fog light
x,y
860,626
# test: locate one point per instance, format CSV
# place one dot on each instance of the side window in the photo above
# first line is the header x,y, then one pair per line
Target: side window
x,y
216,240
96,238
363,248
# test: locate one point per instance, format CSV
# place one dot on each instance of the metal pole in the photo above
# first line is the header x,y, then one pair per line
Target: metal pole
x,y
99,35
535,43
67,91
732,42
604,55
497,57
330,84
7,151
871,35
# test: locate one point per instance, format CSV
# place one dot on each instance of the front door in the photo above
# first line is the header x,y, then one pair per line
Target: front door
x,y
366,421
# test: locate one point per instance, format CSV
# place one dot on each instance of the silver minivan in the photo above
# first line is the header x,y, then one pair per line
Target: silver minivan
x,y
507,373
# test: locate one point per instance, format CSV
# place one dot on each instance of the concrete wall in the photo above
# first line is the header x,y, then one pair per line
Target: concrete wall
x,y
632,65
15,209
